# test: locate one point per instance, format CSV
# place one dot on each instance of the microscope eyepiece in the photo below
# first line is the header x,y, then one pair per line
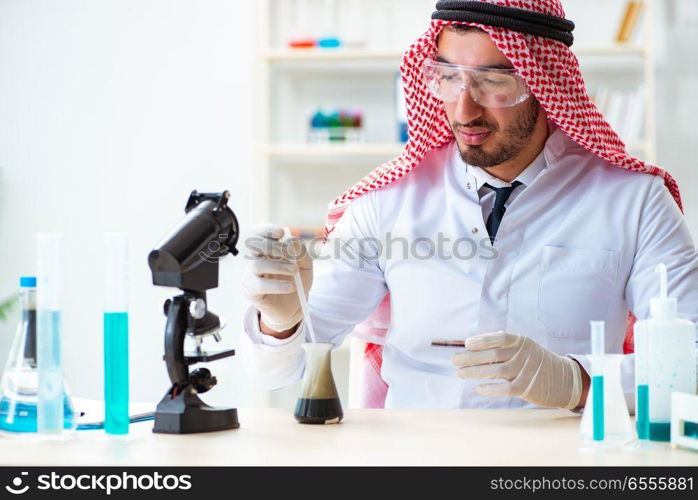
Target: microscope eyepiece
x,y
187,257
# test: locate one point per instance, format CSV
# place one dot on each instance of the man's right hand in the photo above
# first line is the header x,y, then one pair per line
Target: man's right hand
x,y
268,280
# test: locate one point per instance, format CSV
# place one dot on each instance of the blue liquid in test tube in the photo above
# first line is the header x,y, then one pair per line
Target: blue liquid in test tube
x,y
597,380
116,377
642,402
116,372
597,388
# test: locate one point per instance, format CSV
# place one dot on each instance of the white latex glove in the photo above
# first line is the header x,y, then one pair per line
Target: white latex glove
x,y
528,369
268,279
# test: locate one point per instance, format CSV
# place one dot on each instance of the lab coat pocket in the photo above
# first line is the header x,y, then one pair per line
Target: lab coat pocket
x,y
575,287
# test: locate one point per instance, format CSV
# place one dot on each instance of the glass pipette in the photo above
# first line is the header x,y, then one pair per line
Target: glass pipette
x,y
301,294
304,304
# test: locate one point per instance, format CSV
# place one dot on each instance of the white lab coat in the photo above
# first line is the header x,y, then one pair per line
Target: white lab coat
x,y
580,241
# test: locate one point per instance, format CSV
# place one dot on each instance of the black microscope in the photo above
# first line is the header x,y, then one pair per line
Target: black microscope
x,y
187,258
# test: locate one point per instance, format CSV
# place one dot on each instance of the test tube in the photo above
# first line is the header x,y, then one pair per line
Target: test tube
x,y
50,411
301,294
597,379
642,421
304,306
116,392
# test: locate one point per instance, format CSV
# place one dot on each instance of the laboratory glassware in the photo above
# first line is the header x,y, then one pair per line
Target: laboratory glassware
x,y
52,394
666,360
605,422
318,402
116,419
20,380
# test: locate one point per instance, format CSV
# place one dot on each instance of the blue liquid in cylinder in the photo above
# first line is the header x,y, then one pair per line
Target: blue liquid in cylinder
x,y
642,420
116,372
598,421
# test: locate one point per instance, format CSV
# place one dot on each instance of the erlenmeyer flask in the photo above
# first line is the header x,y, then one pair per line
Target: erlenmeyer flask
x,y
617,429
20,380
318,402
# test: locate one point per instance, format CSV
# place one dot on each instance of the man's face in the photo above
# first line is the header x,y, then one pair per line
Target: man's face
x,y
486,136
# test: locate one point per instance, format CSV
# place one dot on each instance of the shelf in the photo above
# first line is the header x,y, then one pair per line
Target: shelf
x,y
346,54
609,49
361,149
330,55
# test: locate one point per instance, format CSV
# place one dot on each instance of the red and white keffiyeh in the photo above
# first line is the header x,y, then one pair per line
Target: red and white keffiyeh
x,y
552,73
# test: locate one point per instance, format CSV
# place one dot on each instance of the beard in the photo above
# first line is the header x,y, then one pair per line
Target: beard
x,y
514,139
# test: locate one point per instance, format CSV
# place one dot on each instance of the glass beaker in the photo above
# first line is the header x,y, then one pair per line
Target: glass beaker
x,y
20,380
318,402
616,427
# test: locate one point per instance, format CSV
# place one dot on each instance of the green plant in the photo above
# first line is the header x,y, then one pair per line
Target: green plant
x,y
6,307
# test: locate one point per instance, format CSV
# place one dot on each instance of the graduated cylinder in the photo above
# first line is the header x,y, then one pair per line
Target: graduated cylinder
x,y
116,395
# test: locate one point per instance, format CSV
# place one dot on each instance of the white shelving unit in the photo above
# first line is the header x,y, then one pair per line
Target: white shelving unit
x,y
302,178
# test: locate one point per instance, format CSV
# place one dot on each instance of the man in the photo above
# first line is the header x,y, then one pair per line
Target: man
x,y
500,124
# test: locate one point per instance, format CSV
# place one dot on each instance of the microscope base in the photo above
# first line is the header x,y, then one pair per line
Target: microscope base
x,y
187,414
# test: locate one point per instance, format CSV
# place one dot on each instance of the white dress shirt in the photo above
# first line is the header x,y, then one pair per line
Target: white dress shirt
x,y
487,195
580,241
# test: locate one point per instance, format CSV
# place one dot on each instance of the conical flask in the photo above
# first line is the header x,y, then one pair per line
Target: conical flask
x,y
20,380
318,402
612,419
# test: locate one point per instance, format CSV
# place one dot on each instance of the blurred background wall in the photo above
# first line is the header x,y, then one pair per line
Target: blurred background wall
x,y
111,112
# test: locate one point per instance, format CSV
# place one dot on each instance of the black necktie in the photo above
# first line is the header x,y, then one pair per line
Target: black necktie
x,y
495,217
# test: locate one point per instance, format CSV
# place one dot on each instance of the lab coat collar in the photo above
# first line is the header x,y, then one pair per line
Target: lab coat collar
x,y
554,146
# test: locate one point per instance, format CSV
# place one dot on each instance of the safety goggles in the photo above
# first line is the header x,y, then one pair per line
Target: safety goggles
x,y
491,88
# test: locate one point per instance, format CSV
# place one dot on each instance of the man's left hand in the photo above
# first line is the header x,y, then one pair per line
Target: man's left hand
x,y
528,369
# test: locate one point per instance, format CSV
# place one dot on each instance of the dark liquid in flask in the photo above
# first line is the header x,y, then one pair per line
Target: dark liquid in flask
x,y
318,411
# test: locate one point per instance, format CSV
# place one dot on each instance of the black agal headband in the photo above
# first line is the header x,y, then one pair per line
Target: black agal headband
x,y
512,18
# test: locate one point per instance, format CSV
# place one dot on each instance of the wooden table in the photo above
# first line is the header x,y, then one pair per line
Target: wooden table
x,y
365,437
